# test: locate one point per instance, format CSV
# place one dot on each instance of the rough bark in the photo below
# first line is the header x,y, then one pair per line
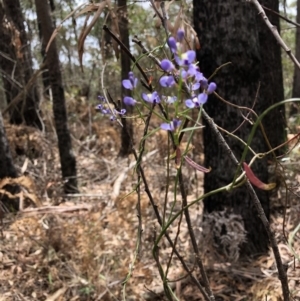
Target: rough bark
x,y
228,31
127,131
67,159
296,82
271,89
16,64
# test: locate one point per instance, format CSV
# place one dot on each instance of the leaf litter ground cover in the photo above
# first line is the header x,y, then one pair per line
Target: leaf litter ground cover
x,y
83,248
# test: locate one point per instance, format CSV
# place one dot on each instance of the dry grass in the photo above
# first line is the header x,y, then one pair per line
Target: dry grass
x,y
85,254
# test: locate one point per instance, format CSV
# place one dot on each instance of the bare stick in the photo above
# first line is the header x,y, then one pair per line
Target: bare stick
x,y
275,32
280,16
281,272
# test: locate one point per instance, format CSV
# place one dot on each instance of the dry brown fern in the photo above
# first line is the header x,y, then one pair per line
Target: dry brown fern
x,y
28,190
26,140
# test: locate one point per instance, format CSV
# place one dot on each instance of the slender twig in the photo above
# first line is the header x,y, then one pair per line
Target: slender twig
x,y
124,48
193,238
157,214
275,32
159,219
281,272
163,18
280,16
145,51
25,90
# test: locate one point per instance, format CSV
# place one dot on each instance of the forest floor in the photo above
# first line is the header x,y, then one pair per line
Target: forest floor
x,y
82,247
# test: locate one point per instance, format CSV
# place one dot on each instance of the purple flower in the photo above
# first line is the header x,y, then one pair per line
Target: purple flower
x,y
180,35
169,99
172,126
151,97
196,101
200,78
192,103
211,88
172,44
192,70
101,98
184,75
113,116
166,65
167,81
106,109
201,99
129,101
130,83
122,112
186,58
193,86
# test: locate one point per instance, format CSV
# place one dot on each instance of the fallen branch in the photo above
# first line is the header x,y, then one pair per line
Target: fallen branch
x,y
55,209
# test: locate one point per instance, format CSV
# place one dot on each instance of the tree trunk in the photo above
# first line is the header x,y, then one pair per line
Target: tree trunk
x,y
296,83
228,31
271,89
67,159
127,130
16,64
7,168
45,74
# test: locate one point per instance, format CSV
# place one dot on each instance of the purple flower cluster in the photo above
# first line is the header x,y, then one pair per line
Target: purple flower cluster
x,y
130,84
189,74
105,109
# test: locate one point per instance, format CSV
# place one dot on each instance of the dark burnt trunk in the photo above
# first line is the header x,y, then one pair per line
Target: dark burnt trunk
x,y
271,89
127,130
16,65
67,159
228,31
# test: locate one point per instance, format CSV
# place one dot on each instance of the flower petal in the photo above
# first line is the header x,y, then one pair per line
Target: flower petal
x,y
170,99
193,70
199,77
211,88
163,81
129,101
176,123
202,98
127,84
172,44
172,126
167,81
122,112
178,60
155,97
195,86
166,126
191,55
184,74
189,103
166,65
180,35
146,96
203,82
